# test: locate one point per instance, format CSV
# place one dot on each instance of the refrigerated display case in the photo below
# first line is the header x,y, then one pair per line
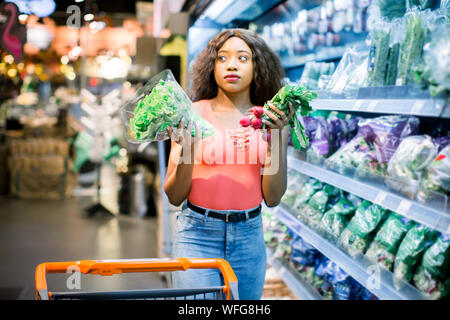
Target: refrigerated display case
x,y
302,32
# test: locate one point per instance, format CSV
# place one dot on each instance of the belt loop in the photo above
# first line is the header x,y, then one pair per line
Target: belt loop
x,y
246,215
206,216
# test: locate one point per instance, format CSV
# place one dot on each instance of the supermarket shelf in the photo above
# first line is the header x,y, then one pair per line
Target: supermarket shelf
x,y
417,107
436,217
378,280
292,279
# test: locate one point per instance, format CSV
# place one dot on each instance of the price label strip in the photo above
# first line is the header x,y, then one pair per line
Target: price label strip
x,y
403,207
380,198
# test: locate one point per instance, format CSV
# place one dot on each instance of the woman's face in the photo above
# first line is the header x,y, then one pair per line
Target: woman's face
x,y
233,68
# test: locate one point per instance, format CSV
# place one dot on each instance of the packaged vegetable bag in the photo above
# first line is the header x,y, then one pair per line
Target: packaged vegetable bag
x,y
405,169
411,46
436,180
385,245
336,219
159,104
359,232
306,192
378,54
417,239
432,276
312,212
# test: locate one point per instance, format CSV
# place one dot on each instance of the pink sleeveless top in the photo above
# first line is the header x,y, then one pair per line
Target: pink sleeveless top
x,y
227,168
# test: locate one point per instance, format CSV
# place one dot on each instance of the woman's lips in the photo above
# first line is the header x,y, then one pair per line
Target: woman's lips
x,y
232,78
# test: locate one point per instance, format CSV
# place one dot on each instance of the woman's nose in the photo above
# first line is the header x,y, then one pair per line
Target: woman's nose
x,y
232,65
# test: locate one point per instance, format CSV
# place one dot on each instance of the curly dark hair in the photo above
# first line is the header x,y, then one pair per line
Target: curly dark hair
x,y
267,70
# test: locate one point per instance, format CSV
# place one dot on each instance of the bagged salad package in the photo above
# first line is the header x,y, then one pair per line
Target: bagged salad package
x,y
311,213
306,192
432,275
435,183
360,230
406,166
159,104
319,140
295,183
385,245
416,240
336,219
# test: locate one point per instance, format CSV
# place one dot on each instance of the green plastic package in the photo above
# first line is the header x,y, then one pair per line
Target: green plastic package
x,y
159,104
312,212
432,276
359,232
385,245
435,183
417,239
308,190
336,219
411,46
378,54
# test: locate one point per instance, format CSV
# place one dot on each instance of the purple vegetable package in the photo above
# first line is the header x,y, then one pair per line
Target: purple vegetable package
x,y
387,132
317,132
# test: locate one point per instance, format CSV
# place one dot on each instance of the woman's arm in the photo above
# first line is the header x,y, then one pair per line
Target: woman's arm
x,y
178,181
274,177
177,184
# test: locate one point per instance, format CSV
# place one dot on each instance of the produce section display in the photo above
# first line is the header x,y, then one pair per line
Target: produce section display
x,y
412,252
387,149
330,281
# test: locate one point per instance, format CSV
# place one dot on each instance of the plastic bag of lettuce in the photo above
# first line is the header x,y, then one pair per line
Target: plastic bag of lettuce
x,y
159,104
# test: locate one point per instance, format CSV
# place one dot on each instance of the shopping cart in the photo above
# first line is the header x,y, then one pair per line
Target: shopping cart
x,y
228,291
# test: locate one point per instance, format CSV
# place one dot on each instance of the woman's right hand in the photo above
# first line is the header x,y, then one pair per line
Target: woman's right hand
x,y
184,139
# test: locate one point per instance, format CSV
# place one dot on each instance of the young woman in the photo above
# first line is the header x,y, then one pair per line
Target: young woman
x,y
226,176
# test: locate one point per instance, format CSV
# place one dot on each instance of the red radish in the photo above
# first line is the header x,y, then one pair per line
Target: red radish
x,y
245,122
257,111
256,123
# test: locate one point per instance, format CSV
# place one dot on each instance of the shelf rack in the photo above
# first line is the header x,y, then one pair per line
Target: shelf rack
x,y
292,279
376,279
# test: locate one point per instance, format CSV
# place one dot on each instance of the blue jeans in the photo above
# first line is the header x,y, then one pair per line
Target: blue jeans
x,y
239,243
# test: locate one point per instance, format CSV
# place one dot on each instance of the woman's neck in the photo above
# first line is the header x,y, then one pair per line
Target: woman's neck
x,y
228,101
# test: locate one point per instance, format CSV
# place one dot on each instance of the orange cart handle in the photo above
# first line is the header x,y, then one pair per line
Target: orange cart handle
x,y
110,267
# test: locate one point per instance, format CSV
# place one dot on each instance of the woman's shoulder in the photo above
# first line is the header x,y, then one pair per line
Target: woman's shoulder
x,y
200,106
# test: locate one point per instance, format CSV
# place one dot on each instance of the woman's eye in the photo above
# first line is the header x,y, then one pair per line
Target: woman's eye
x,y
222,58
243,58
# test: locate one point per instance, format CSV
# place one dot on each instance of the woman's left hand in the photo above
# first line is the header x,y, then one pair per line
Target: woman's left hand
x,y
278,122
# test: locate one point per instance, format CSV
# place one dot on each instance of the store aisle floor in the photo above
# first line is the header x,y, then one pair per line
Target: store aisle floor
x,y
35,231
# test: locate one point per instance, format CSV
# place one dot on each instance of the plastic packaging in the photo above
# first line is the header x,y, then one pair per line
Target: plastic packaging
x,y
378,53
405,169
417,239
436,179
396,36
359,232
411,46
313,71
385,245
336,219
351,71
319,145
432,276
436,62
159,104
349,156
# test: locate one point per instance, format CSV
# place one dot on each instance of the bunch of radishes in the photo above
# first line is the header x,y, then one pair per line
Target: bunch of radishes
x,y
254,119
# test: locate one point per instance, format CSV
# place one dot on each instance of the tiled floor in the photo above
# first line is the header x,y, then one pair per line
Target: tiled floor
x,y
35,231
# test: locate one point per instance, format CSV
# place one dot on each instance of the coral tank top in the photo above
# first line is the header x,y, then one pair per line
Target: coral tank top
x,y
227,168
